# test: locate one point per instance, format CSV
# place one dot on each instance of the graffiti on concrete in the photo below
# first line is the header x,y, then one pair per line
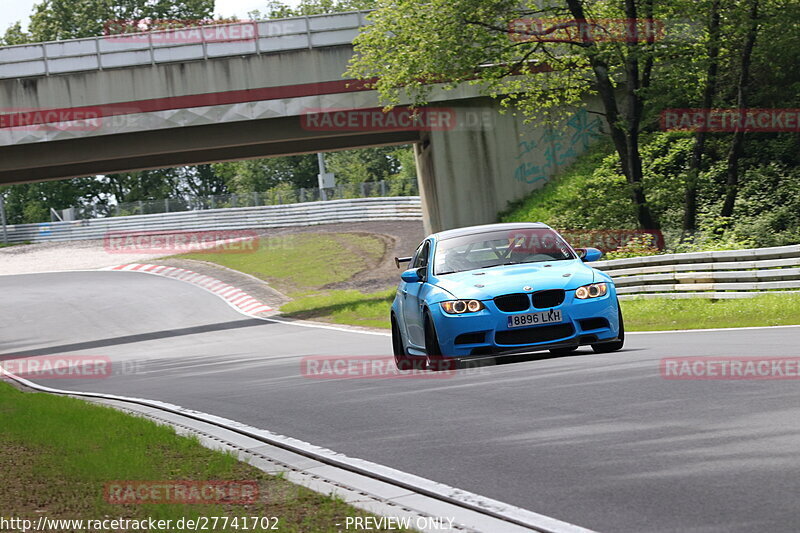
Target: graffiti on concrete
x,y
557,148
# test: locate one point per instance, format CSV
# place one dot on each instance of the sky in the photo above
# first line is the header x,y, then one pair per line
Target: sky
x,y
14,10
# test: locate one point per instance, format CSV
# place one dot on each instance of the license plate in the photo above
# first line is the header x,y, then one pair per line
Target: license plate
x,y
532,319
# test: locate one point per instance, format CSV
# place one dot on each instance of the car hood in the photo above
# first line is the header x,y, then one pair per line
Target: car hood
x,y
487,283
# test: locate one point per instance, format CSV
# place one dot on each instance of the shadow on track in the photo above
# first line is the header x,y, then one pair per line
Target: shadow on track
x,y
140,337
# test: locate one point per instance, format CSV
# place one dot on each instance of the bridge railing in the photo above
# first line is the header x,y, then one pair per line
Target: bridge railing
x,y
182,44
271,216
716,275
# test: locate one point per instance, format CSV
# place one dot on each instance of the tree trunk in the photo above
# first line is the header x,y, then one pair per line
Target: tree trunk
x,y
732,181
690,204
625,136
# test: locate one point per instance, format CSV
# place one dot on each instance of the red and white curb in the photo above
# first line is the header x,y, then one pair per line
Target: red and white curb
x,y
236,298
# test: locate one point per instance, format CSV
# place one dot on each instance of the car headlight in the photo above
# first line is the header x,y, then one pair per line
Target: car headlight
x,y
458,307
595,290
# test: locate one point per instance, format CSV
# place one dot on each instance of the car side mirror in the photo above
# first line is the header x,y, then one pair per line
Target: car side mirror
x,y
588,255
413,275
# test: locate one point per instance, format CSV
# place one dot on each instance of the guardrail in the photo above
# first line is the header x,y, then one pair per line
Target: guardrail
x,y
177,45
270,216
716,275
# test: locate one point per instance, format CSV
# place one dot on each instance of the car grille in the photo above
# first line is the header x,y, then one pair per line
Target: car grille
x,y
543,299
534,335
512,302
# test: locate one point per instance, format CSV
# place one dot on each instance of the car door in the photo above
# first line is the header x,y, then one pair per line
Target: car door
x,y
413,299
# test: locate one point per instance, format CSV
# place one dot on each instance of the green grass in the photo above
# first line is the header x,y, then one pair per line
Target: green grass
x,y
7,244
700,313
344,307
57,454
355,308
302,262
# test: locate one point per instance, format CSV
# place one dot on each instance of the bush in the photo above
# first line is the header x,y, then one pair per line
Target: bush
x,y
592,194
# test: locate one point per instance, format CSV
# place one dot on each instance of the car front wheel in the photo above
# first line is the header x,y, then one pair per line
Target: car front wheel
x,y
436,361
401,358
606,347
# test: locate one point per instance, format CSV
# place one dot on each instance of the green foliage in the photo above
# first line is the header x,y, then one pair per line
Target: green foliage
x,y
70,19
639,245
592,194
276,9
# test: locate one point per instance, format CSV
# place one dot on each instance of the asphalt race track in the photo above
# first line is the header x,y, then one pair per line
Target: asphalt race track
x,y
602,441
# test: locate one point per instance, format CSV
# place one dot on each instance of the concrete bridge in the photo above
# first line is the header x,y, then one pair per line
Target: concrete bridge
x,y
258,89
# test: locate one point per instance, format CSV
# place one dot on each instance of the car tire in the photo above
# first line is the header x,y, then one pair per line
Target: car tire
x,y
436,361
402,360
563,351
613,346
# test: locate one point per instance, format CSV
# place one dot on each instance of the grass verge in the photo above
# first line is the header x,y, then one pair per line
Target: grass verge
x,y
57,454
302,262
344,307
9,244
354,308
301,265
700,313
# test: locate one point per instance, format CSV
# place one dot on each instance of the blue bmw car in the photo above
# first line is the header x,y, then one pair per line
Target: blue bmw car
x,y
501,289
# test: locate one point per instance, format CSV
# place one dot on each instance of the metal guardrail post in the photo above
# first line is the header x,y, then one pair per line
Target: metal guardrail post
x,y
99,54
44,57
205,44
150,47
3,218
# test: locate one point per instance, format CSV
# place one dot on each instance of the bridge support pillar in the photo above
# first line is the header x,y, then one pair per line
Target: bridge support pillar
x,y
471,170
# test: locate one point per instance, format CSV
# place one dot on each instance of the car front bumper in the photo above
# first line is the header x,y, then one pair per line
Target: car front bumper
x,y
486,332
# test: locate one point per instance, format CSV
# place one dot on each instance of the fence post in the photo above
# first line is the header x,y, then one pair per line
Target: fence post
x,y
166,205
383,187
363,190
255,199
3,218
141,207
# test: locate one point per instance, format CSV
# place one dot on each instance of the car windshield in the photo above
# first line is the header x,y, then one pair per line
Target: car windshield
x,y
509,247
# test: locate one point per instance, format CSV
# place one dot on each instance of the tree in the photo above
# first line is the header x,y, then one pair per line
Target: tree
x,y
732,181
690,206
412,45
71,19
277,9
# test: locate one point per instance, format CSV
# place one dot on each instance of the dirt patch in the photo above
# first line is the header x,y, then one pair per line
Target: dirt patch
x,y
400,238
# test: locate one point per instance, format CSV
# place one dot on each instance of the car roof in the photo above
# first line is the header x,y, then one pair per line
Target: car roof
x,y
487,228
